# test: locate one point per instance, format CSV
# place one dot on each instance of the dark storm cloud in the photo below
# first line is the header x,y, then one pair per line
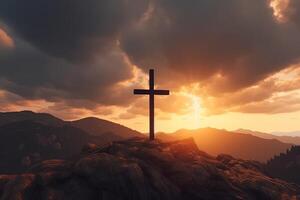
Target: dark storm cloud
x,y
66,50
238,39
73,29
292,13
33,74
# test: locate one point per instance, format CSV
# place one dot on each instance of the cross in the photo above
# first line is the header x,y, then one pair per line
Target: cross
x,y
151,92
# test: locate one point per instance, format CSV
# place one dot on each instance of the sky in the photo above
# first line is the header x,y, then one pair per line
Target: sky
x,y
228,64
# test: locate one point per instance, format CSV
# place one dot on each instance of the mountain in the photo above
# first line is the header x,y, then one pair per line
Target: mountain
x,y
99,127
286,139
167,137
287,133
286,165
25,143
239,145
43,118
142,170
91,125
27,138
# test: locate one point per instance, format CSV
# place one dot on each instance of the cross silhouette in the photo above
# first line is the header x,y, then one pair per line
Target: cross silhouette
x,y
151,92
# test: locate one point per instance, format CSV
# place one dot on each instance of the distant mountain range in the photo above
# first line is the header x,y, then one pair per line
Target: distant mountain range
x,y
27,138
286,139
287,133
239,145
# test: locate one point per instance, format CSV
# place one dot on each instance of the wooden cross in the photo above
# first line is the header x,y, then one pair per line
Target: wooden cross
x,y
151,92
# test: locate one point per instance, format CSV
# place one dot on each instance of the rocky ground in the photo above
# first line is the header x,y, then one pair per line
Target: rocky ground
x,y
141,170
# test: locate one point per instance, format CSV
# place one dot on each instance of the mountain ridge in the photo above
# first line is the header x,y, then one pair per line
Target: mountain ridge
x,y
217,141
49,119
96,126
44,118
286,139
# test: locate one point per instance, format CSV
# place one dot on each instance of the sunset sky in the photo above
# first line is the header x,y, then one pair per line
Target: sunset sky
x,y
228,63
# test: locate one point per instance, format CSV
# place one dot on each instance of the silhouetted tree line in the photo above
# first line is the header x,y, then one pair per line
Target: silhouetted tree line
x,y
285,165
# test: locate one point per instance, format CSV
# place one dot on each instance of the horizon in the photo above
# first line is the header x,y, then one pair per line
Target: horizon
x,y
293,133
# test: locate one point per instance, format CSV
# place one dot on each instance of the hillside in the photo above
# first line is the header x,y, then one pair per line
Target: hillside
x,y
91,125
143,170
239,145
286,165
99,127
43,118
27,138
286,139
25,143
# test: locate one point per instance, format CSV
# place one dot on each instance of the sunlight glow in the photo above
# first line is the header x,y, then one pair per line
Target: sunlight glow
x,y
195,110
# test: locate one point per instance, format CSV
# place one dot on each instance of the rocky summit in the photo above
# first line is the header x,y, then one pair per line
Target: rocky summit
x,y
138,169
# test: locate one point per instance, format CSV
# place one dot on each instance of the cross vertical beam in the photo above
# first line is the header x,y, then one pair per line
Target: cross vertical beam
x,y
151,104
151,92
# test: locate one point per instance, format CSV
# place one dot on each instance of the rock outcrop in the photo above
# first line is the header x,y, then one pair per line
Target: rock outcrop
x,y
141,170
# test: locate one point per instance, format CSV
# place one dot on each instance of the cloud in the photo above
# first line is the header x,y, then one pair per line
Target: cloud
x,y
283,104
12,102
292,12
33,74
71,29
279,9
190,41
5,40
67,51
84,55
278,93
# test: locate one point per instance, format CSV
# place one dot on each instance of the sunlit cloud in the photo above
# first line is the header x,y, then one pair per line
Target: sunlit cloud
x,y
5,39
279,7
267,96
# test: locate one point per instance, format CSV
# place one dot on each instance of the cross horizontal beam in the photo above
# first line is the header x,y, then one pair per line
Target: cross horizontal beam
x,y
141,91
161,92
155,92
